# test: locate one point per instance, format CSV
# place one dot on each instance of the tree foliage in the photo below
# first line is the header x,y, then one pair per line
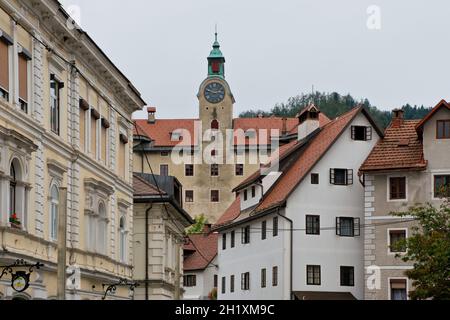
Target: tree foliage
x,y
429,249
198,226
332,105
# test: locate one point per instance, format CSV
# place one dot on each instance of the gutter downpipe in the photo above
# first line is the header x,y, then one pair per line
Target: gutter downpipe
x,y
291,251
146,250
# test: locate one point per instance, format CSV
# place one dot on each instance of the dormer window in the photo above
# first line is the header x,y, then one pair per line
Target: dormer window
x,y
361,133
176,136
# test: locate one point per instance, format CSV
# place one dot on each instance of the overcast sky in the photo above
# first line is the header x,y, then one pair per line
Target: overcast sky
x,y
276,49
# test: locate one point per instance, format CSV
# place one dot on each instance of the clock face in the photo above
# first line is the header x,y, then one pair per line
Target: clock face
x,y
214,92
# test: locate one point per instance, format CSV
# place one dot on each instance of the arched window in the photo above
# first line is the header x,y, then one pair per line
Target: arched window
x,y
102,228
54,208
122,235
215,125
12,190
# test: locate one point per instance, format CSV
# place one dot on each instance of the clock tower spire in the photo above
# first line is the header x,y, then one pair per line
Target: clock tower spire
x,y
216,60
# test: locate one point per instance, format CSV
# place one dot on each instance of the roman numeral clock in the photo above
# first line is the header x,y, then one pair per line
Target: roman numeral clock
x,y
214,92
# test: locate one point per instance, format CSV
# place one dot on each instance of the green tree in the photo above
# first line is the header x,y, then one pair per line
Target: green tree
x,y
333,105
198,226
429,249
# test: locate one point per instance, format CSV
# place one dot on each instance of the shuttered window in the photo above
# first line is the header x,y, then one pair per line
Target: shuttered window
x,y
4,69
341,177
23,82
348,227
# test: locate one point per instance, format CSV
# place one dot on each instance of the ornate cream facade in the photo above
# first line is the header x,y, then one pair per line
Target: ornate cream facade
x,y
65,122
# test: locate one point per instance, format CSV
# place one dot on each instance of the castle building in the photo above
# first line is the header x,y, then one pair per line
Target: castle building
x,y
65,128
215,162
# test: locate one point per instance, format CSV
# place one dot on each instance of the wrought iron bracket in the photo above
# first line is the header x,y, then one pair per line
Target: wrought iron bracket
x,y
111,288
19,263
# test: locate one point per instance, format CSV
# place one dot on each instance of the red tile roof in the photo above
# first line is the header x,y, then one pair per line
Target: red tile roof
x,y
231,213
143,188
296,172
160,131
400,149
307,159
204,250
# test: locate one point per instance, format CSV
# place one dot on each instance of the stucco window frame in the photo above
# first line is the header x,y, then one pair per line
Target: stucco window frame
x,y
388,188
398,278
433,174
388,238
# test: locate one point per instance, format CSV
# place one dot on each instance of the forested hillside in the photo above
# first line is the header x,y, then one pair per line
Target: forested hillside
x,y
333,105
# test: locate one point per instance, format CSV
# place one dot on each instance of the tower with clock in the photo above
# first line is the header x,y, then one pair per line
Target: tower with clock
x,y
215,113
215,97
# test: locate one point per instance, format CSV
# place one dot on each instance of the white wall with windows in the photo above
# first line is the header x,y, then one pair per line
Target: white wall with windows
x,y
341,210
259,253
203,284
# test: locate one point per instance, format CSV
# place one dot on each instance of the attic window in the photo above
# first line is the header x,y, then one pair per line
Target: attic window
x,y
361,133
176,136
403,142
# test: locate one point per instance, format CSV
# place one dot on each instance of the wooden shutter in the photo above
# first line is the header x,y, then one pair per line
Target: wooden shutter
x,y
331,176
4,65
356,227
23,78
349,177
338,226
368,133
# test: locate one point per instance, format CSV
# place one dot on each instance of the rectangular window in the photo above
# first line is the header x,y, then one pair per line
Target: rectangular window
x,y
263,230
442,186
164,170
104,139
313,275
164,153
4,68
253,191
396,237
232,235
245,281
54,105
314,178
224,241
232,283
397,188
313,225
348,276
224,280
347,227
239,170
189,170
275,226
443,129
189,197
341,177
275,276
245,235
121,161
361,133
398,289
23,82
214,170
215,281
189,280
263,278
245,195
214,195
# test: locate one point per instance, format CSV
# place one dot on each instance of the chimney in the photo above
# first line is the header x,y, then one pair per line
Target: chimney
x,y
397,117
151,114
284,127
308,121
